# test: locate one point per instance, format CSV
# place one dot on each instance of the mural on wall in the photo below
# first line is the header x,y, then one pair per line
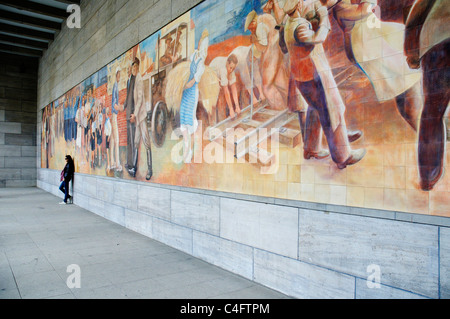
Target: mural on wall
x,y
338,102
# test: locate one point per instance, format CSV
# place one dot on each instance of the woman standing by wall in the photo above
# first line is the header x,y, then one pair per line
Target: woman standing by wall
x,y
67,176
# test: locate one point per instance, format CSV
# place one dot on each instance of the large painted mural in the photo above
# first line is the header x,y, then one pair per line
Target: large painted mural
x,y
336,102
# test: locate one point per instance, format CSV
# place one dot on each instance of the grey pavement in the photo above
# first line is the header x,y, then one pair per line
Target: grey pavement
x,y
40,239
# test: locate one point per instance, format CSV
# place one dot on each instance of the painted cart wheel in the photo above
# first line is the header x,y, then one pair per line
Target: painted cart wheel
x,y
159,123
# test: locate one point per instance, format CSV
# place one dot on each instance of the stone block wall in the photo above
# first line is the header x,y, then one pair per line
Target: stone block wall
x,y
305,250
18,93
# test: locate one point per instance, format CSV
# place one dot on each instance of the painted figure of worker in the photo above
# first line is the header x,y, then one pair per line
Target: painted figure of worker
x,y
129,106
274,71
427,45
225,70
249,72
312,75
115,108
139,119
189,100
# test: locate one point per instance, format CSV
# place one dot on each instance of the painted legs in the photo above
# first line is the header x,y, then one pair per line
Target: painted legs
x,y
432,134
318,118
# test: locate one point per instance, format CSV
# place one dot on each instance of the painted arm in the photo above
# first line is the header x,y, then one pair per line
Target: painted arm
x,y
418,13
115,102
140,99
189,84
324,25
329,3
278,12
125,104
353,12
305,34
197,76
226,90
235,97
282,41
413,28
260,47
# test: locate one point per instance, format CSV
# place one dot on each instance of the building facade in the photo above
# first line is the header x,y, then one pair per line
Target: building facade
x,y
189,123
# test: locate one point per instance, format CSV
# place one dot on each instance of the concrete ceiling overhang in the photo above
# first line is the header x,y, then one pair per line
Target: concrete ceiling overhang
x,y
27,27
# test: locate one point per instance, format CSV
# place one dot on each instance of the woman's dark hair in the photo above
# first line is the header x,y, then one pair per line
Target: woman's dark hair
x,y
70,160
71,167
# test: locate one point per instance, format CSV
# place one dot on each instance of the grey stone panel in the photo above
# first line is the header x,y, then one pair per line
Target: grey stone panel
x,y
20,139
299,279
20,183
105,190
365,291
19,162
350,244
196,211
126,195
28,150
224,253
114,213
154,201
10,150
172,235
138,222
14,128
444,270
264,226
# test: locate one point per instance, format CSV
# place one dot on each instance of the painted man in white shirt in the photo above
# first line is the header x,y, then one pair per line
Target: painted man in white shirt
x,y
225,70
274,71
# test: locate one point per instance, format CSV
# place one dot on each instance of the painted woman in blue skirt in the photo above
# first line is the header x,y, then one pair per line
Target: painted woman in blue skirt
x,y
189,100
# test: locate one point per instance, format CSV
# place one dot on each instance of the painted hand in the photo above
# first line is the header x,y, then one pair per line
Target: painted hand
x,y
304,34
413,62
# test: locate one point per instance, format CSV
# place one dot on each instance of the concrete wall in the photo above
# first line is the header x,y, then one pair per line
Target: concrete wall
x,y
306,250
18,87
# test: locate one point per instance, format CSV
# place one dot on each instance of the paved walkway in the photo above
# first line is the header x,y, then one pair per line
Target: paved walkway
x,y
39,239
